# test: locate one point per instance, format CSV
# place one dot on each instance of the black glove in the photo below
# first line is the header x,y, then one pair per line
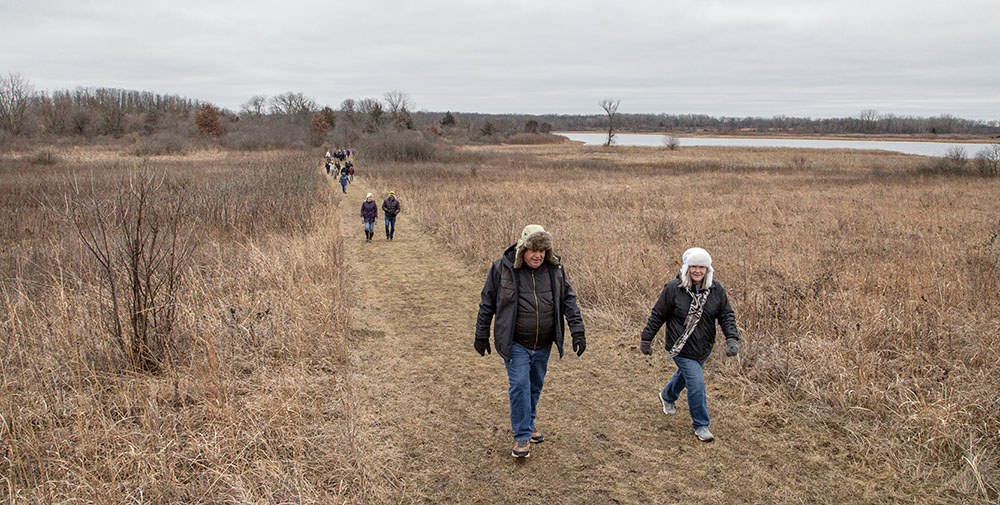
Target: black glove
x,y
646,346
482,346
579,344
732,347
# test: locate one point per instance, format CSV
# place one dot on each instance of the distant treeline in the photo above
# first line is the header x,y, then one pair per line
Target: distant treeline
x,y
292,118
866,122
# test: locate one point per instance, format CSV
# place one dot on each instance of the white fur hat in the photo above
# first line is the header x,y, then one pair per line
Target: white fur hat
x,y
697,257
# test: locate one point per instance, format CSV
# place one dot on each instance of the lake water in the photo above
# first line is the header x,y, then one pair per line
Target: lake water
x,y
655,140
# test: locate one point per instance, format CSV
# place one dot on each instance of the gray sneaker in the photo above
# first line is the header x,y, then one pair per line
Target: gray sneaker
x,y
668,407
703,434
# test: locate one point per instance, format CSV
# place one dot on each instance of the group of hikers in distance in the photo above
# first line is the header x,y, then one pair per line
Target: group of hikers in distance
x,y
341,164
529,300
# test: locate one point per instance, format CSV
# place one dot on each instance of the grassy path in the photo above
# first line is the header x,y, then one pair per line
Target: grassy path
x,y
433,414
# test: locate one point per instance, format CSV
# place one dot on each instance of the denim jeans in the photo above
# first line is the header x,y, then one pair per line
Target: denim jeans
x,y
526,375
689,375
370,226
390,220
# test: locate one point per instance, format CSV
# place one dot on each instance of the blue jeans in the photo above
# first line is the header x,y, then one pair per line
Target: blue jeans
x,y
390,220
370,226
689,375
526,375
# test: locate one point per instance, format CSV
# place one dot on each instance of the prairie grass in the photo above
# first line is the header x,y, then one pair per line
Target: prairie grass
x,y
865,289
253,404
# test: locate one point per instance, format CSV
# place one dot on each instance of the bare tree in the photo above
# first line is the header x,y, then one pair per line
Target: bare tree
x,y
254,107
671,142
373,110
399,105
292,103
610,107
15,95
349,110
988,160
868,117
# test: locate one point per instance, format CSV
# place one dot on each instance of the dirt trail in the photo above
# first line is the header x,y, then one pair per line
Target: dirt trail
x,y
434,413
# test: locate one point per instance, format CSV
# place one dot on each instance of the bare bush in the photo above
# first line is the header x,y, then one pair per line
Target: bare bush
x,y
671,142
44,156
957,158
988,160
141,242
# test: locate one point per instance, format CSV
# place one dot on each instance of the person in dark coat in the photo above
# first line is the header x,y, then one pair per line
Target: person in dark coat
x,y
529,295
343,182
369,213
690,305
391,208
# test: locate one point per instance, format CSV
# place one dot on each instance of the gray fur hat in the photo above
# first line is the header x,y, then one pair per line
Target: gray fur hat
x,y
534,237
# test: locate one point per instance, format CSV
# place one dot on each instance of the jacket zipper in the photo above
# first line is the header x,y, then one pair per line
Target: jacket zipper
x,y
538,315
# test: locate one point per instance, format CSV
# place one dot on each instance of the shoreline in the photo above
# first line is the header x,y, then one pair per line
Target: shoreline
x,y
798,136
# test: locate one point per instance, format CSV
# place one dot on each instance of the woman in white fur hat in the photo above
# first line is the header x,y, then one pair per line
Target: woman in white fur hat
x,y
690,306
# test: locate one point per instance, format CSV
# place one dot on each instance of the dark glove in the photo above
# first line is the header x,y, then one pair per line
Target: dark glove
x,y
646,346
732,347
579,344
482,346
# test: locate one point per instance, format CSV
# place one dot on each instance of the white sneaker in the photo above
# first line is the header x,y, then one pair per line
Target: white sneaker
x,y
703,434
668,407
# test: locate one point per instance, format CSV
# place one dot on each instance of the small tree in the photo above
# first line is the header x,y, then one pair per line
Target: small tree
x,y
531,126
611,109
15,95
318,129
488,129
254,107
545,128
207,121
958,158
448,119
329,116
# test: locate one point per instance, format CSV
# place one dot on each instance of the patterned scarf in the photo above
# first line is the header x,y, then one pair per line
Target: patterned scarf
x,y
694,315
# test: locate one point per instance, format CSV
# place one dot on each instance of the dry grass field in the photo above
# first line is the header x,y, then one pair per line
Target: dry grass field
x,y
284,360
865,289
247,399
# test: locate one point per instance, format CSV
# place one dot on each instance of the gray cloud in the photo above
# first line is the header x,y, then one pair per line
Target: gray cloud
x,y
729,58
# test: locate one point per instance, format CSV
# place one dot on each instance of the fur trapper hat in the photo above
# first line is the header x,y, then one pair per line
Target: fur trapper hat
x,y
696,257
534,237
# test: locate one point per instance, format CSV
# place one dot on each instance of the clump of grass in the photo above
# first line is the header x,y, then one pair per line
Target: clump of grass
x,y
44,157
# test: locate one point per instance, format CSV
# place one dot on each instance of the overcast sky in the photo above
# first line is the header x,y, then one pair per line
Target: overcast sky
x,y
722,58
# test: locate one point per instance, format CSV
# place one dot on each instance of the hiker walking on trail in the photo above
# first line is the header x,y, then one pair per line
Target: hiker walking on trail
x,y
528,293
690,305
369,213
391,208
343,181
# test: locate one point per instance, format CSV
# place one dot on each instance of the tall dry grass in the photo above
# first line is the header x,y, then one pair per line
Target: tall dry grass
x,y
254,404
865,289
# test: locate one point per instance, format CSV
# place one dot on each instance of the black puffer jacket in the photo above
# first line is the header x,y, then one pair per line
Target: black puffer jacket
x,y
499,298
672,308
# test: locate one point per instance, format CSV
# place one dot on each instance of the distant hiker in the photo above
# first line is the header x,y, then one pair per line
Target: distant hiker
x,y
528,292
690,305
369,213
391,208
343,182
328,167
328,155
350,170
